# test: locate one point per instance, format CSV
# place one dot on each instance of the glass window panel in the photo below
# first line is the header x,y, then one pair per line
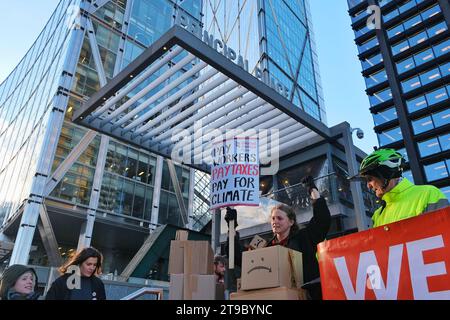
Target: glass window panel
x,y
430,12
372,61
173,214
442,48
445,69
142,167
416,104
376,78
437,29
192,6
410,84
408,5
148,203
390,136
380,97
369,44
422,125
418,38
404,153
146,26
445,142
353,3
396,30
436,171
408,175
437,96
405,65
166,181
414,21
429,147
138,204
400,47
384,2
362,31
127,197
446,192
430,76
423,56
151,171
121,158
441,118
385,116
163,207
358,16
131,164
390,15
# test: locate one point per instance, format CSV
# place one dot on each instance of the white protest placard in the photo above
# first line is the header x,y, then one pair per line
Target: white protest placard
x,y
235,173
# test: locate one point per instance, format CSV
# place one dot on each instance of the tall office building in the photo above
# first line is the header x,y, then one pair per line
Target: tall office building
x,y
52,168
406,68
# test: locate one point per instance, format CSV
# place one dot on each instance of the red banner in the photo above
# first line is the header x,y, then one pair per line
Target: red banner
x,y
406,260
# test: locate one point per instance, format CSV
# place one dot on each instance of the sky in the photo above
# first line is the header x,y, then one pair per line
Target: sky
x,y
21,21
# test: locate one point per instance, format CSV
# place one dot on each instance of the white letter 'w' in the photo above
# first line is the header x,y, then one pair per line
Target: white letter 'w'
x,y
366,261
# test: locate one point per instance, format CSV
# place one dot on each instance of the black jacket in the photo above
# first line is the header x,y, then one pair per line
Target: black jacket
x,y
60,291
306,240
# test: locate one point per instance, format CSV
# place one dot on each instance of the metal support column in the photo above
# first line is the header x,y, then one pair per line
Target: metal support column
x,y
68,162
445,7
190,208
48,238
125,23
96,53
355,186
30,214
179,195
88,226
215,231
400,106
157,191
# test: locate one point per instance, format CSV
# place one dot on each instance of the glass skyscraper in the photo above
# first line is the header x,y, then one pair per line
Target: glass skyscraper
x,y
277,37
47,159
407,71
51,166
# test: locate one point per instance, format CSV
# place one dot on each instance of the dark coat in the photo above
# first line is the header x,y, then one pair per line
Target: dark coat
x,y
60,291
306,240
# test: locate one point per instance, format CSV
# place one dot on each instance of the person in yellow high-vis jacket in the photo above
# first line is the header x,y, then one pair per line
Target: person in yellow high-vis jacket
x,y
400,198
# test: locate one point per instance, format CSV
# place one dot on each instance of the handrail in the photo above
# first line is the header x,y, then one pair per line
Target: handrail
x,y
296,185
146,290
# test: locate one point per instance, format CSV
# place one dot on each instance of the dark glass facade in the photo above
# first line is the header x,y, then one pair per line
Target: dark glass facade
x,y
406,68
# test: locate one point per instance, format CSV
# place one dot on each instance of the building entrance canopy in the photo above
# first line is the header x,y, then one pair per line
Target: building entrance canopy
x,y
180,93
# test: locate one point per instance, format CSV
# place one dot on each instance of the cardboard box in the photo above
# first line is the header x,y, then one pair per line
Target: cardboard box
x,y
195,287
191,257
257,242
176,287
271,267
181,235
280,293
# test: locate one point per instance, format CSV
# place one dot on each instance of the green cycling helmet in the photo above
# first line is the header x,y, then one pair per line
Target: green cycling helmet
x,y
388,163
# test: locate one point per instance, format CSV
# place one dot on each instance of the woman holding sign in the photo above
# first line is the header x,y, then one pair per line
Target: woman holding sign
x,y
287,233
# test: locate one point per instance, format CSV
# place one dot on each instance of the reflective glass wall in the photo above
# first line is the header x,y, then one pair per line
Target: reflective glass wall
x,y
276,37
26,101
123,30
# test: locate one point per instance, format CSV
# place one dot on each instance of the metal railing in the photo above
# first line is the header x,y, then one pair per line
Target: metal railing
x,y
143,291
333,187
